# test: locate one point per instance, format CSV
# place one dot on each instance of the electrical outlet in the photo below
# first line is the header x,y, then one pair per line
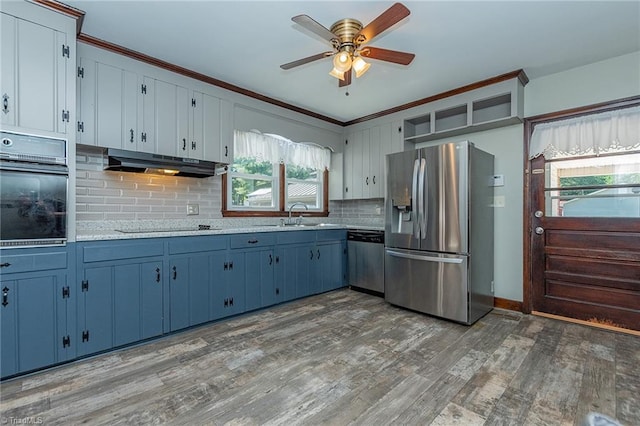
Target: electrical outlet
x,y
193,209
498,201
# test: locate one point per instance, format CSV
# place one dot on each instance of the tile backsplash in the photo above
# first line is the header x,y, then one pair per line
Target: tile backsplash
x,y
108,195
120,196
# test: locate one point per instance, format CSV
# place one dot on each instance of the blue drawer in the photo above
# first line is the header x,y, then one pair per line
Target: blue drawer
x,y
258,239
28,260
197,244
332,235
294,237
118,250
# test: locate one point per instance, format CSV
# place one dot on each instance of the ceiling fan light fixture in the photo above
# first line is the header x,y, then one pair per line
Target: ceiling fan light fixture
x,y
337,74
342,61
360,66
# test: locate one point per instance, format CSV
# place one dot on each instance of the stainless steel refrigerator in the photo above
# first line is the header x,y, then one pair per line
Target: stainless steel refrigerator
x,y
439,231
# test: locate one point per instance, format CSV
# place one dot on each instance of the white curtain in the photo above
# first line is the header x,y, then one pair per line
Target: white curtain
x,y
276,149
611,131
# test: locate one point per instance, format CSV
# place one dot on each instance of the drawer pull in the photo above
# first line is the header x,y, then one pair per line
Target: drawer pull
x,y
253,241
5,265
5,296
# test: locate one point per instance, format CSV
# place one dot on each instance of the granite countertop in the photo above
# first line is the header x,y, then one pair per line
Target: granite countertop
x,y
153,229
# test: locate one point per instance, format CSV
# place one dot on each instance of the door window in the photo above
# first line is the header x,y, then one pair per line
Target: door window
x,y
606,186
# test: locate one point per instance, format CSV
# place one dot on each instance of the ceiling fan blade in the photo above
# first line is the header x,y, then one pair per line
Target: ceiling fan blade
x,y
394,56
314,26
347,79
305,60
389,17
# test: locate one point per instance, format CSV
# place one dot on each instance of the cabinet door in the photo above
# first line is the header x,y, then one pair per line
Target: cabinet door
x,y
8,328
304,257
35,79
357,164
236,284
259,279
374,176
226,132
95,310
316,272
332,263
179,293
198,275
31,333
348,160
208,147
151,318
166,116
284,275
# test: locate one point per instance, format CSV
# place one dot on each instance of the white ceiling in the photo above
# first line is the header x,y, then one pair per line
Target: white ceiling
x,y
455,42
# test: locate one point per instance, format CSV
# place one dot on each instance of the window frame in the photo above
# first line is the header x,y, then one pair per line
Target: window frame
x,y
281,208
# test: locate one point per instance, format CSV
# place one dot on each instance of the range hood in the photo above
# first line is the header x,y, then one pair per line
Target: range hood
x,y
142,162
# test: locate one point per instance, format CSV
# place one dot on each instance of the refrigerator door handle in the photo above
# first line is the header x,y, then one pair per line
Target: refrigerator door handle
x,y
415,211
425,258
423,199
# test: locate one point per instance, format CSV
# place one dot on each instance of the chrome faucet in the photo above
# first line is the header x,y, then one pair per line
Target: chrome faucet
x,y
297,222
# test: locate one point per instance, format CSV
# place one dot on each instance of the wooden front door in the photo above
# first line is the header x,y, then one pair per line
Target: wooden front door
x,y
585,262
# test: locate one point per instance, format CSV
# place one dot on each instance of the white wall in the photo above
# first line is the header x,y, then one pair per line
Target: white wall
x,y
604,81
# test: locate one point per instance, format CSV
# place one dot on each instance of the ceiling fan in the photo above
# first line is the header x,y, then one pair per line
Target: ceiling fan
x,y
349,38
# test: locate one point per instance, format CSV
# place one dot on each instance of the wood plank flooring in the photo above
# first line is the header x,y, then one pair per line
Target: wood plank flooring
x,y
346,358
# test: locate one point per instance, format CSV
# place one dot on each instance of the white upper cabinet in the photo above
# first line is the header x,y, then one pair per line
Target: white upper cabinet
x,y
129,105
363,165
37,57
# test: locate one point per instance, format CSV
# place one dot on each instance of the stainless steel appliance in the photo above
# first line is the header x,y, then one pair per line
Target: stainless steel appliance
x,y
365,252
33,190
439,231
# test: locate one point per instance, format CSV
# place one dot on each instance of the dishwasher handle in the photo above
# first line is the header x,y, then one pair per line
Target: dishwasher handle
x,y
424,257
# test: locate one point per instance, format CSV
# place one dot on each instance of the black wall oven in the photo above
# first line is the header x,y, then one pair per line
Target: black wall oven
x,y
34,178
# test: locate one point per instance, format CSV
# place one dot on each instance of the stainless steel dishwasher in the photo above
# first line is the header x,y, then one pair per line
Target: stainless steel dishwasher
x,y
366,260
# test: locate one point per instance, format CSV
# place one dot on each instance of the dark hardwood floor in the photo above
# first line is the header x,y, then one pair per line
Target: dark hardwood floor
x,y
346,358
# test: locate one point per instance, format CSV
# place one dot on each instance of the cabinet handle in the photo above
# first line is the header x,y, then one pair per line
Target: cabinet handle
x,y
184,144
277,291
367,180
231,301
193,145
5,296
374,180
143,137
5,103
270,259
311,254
226,302
277,259
253,241
157,275
131,135
226,150
230,265
226,266
175,272
5,265
318,254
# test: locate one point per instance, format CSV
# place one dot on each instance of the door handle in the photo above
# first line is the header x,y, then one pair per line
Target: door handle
x,y
415,210
539,230
538,214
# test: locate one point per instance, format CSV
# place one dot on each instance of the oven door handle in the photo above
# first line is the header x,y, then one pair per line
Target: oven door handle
x,y
34,168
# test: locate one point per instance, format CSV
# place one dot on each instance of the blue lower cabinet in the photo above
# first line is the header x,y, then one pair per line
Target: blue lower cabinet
x,y
120,293
34,317
285,274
